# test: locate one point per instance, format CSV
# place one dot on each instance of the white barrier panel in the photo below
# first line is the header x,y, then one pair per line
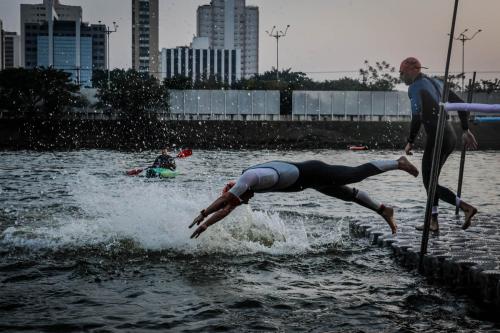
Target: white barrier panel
x,y
245,102
204,102
259,102
339,103
351,103
312,105
365,103
404,105
176,102
224,102
272,102
378,103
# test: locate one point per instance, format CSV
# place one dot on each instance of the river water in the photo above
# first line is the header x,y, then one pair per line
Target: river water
x,y
85,248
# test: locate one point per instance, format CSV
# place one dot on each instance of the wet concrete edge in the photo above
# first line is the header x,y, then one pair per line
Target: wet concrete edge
x,y
467,261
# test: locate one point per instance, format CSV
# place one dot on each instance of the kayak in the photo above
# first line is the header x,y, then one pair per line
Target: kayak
x,y
159,172
357,148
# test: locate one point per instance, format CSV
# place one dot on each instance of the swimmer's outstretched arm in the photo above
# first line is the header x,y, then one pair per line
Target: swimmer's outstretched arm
x,y
215,206
216,217
221,207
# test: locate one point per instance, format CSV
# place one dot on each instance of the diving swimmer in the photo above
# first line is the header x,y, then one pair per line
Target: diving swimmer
x,y
280,176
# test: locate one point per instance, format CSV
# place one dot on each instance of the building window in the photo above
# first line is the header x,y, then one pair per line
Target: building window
x,y
183,62
198,61
204,66
219,64
212,62
176,62
226,65
169,65
190,63
233,65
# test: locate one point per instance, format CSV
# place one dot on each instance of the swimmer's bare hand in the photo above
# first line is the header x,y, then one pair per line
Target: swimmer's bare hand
x,y
409,148
197,221
199,230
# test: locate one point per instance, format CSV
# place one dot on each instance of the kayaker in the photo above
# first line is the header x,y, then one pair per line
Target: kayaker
x,y
164,161
279,176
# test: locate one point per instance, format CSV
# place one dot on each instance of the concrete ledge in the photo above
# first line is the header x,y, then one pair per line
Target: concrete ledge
x,y
468,261
146,134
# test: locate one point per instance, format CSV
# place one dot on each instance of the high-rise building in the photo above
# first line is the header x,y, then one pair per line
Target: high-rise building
x,y
145,50
54,35
46,12
12,49
1,45
230,24
199,62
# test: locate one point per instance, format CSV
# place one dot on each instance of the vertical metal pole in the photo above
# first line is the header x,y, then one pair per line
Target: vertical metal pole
x,y
345,104
463,61
319,105
265,102
277,61
197,102
462,156
437,147
331,105
238,103
252,104
306,106
211,112
107,45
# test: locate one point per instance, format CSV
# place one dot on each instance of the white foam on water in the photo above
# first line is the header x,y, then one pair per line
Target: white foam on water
x,y
154,215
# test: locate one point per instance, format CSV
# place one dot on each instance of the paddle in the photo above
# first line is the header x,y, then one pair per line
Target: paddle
x,y
182,154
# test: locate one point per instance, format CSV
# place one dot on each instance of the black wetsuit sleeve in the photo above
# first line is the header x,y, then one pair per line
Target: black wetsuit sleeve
x,y
464,116
416,122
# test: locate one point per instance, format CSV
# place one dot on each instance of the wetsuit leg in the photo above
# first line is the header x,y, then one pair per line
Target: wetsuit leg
x,y
317,174
350,194
449,141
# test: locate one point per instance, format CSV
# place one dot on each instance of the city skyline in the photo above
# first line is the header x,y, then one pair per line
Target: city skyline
x,y
366,30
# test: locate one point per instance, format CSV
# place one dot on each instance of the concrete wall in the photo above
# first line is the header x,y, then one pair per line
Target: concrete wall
x,y
119,134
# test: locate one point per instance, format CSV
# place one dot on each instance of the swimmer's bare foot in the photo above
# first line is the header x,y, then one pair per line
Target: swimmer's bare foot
x,y
388,215
469,212
434,226
405,165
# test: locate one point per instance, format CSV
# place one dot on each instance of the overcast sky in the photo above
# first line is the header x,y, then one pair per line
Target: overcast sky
x,y
325,35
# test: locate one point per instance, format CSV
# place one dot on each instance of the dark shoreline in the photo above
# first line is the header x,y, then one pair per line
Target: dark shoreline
x,y
60,134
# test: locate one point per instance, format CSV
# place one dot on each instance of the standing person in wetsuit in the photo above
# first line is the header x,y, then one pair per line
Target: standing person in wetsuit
x,y
425,95
278,176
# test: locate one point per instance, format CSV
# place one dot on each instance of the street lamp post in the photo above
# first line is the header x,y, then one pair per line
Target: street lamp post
x,y
108,31
463,38
277,34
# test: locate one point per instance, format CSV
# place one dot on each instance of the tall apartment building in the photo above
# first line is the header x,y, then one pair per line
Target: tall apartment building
x,y
201,62
230,24
145,49
1,45
54,35
12,49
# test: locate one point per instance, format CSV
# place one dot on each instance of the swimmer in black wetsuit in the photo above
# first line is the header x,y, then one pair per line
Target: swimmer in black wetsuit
x,y
425,95
278,176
